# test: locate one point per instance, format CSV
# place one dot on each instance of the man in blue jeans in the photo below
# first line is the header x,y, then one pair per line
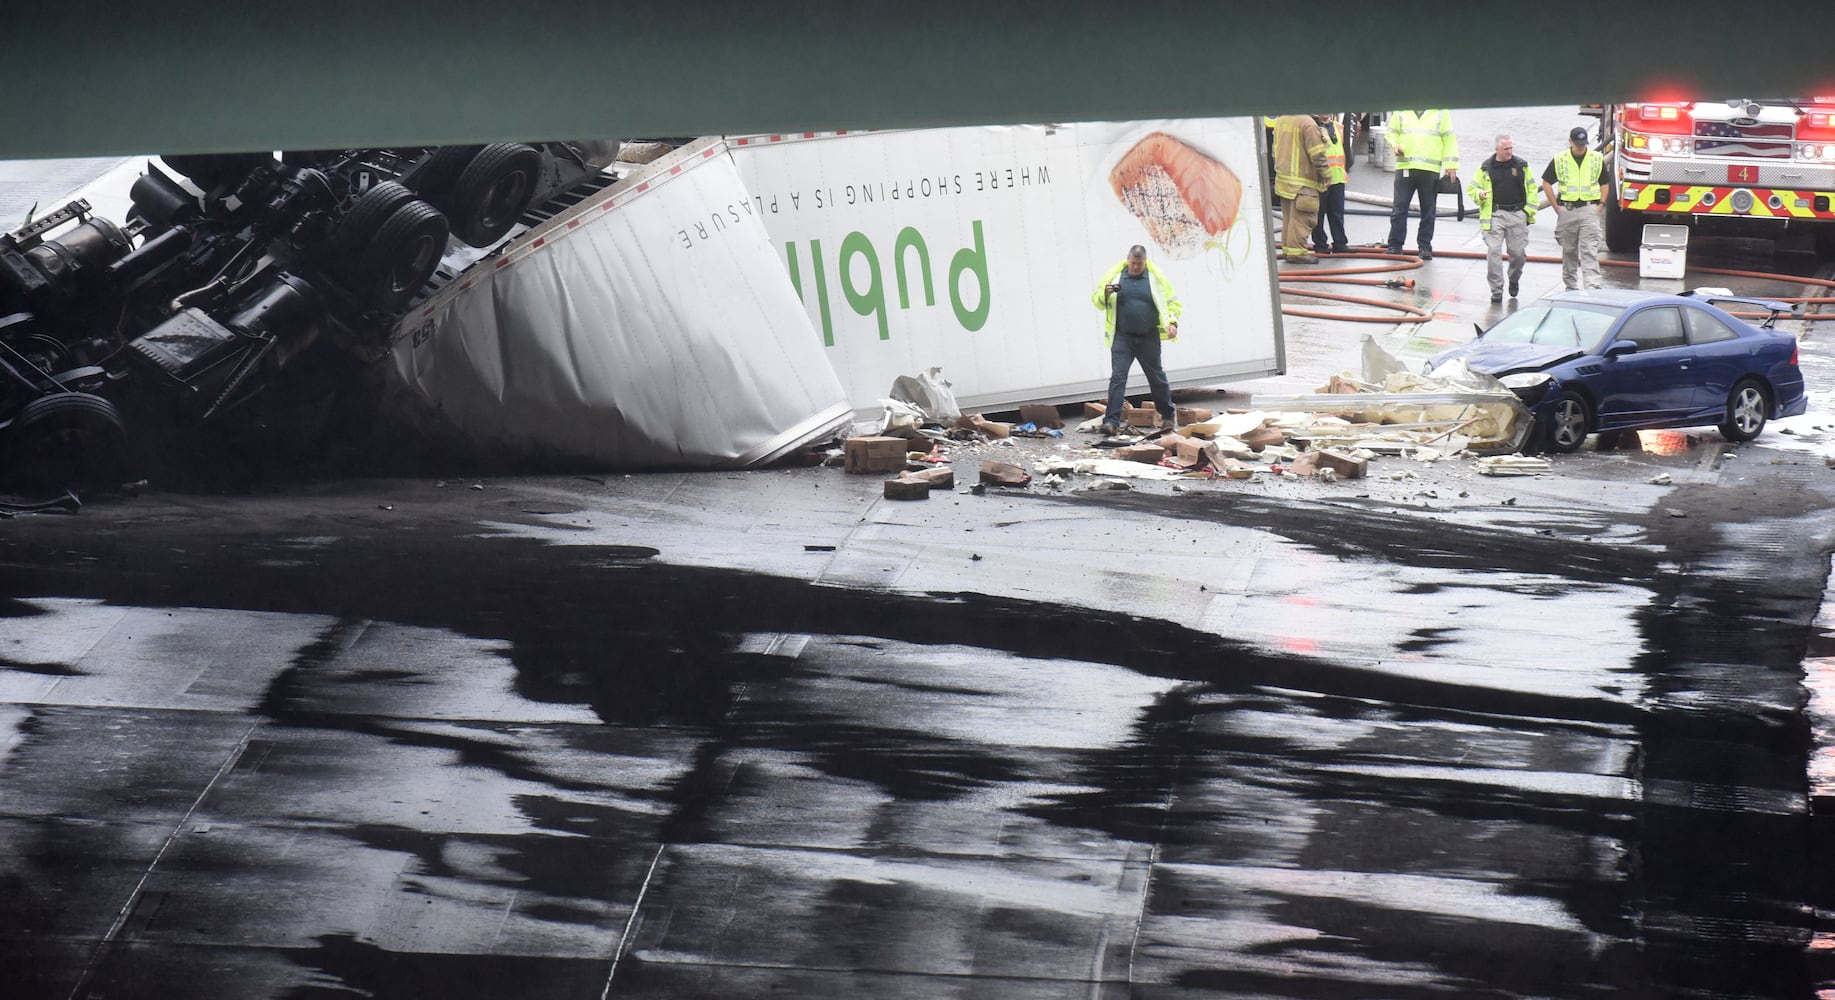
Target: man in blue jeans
x,y
1425,151
1139,310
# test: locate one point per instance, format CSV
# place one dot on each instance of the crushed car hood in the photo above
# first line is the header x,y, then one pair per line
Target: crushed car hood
x,y
1505,359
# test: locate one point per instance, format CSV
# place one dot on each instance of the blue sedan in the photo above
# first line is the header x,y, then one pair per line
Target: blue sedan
x,y
1620,359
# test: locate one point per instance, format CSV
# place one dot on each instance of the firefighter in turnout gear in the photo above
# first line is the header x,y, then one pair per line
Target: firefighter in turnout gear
x,y
1300,167
1505,189
1572,185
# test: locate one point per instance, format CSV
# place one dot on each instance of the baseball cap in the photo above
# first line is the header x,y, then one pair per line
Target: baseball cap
x,y
1579,134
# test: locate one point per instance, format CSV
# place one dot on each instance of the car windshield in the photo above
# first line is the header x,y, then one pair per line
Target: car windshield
x,y
1557,324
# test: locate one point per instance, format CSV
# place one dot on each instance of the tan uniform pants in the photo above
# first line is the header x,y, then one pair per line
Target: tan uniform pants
x,y
1299,215
1509,233
1579,232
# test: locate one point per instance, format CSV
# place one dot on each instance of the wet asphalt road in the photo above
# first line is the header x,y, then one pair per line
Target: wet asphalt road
x,y
746,734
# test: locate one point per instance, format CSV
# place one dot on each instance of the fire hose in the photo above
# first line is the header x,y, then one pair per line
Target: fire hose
x,y
1290,279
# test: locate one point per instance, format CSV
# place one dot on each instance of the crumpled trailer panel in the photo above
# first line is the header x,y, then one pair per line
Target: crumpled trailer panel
x,y
649,326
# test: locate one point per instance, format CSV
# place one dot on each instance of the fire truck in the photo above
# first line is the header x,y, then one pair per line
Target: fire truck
x,y
1740,167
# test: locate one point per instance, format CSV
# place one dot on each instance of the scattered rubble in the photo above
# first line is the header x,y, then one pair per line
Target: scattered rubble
x,y
1332,435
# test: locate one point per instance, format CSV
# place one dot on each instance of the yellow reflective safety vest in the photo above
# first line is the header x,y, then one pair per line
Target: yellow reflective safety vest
x,y
1164,299
1423,140
1578,181
1481,185
1334,156
1299,155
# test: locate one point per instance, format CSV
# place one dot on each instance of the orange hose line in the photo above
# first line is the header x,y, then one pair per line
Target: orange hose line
x,y
1407,261
1411,314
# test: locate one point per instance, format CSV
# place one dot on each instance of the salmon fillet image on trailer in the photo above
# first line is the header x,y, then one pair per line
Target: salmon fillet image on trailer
x,y
1186,200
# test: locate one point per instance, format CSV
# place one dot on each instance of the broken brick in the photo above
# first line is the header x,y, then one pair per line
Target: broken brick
x,y
939,479
1040,415
874,454
1346,466
1002,474
907,488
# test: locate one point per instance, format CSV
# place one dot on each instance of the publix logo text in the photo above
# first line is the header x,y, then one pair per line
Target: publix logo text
x,y
859,271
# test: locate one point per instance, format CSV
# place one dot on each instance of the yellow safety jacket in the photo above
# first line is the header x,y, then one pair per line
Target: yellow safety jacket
x,y
1423,140
1578,181
1481,185
1164,299
1334,157
1299,155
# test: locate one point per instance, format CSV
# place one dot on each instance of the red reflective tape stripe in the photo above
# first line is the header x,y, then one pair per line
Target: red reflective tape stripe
x,y
538,242
777,138
709,151
572,223
645,186
809,135
503,263
607,203
675,170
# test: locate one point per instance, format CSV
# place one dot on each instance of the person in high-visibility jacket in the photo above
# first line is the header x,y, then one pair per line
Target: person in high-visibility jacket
x,y
1140,309
1425,151
1331,200
1572,185
1299,178
1505,189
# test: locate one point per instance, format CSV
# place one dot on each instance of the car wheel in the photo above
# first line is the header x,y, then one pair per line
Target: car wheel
x,y
1747,406
393,267
1569,423
67,440
493,192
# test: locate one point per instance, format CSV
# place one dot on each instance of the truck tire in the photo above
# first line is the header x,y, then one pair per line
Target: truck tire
x,y
436,177
208,170
394,266
1624,228
493,191
371,209
1349,135
67,440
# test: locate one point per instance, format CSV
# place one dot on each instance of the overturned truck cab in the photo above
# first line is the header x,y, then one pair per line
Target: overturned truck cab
x,y
116,341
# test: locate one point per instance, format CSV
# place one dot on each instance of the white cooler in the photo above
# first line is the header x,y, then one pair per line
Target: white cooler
x,y
1664,253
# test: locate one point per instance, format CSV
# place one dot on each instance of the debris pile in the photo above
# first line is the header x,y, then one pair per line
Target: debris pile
x,y
1332,434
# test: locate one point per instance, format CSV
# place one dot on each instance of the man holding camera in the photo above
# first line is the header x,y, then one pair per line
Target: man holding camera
x,y
1140,309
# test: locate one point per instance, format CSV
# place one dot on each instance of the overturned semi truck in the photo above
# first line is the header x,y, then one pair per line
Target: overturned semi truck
x,y
718,306
118,341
